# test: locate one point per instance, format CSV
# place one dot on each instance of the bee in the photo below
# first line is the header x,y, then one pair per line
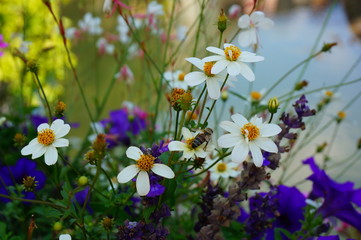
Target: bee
x,y
202,137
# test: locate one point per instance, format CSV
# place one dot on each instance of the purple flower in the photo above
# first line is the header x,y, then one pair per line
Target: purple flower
x,y
338,197
335,237
80,197
39,119
2,44
13,175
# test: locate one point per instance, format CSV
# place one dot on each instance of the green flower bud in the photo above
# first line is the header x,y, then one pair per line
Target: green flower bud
x,y
222,21
273,105
82,181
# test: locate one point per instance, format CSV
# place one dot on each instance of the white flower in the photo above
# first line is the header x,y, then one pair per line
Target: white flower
x,y
186,147
155,8
90,24
2,120
49,138
65,237
256,96
107,6
249,25
222,169
104,46
234,60
234,11
176,79
145,163
197,77
247,136
182,33
71,33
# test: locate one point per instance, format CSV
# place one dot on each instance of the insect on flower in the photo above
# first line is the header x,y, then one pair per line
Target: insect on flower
x,y
202,137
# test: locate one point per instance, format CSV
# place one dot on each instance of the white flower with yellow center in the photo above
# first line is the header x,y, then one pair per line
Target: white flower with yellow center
x,y
247,136
256,96
65,237
145,163
232,59
222,169
48,139
198,77
187,147
249,25
176,79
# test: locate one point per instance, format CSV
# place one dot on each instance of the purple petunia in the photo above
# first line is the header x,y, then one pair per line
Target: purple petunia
x,y
14,175
338,197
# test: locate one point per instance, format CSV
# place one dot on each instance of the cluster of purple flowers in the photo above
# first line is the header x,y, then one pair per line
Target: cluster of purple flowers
x,y
123,123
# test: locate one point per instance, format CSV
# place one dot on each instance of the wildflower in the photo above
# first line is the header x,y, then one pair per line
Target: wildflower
x,y
249,25
222,169
232,59
104,46
2,44
273,105
107,223
222,21
247,136
176,79
90,24
125,74
256,96
107,6
234,11
175,98
15,174
340,116
145,164
65,237
338,197
186,147
48,139
205,75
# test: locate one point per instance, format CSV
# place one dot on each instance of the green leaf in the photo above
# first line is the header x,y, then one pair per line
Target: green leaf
x,y
278,234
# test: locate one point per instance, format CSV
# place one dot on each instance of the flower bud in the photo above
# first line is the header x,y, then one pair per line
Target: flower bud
x,y
321,147
19,140
59,109
186,101
57,226
32,66
222,21
340,116
273,105
359,144
82,181
224,95
301,85
107,223
327,46
175,97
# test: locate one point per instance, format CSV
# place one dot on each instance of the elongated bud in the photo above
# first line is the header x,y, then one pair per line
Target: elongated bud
x,y
301,85
273,105
328,46
222,21
321,147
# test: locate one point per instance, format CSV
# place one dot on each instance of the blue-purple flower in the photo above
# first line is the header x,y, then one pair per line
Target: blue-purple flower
x,y
338,197
14,175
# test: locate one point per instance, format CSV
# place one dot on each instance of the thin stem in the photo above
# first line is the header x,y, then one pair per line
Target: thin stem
x,y
196,105
45,98
349,166
209,167
53,205
176,125
181,124
109,180
220,40
202,108
332,141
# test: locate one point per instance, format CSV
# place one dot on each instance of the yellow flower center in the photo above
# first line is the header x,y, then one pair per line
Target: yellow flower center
x,y
207,67
221,167
232,53
329,93
250,131
341,115
181,76
256,96
145,162
189,142
46,136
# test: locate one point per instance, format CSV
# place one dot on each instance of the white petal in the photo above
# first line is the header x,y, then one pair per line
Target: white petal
x,y
228,140
266,23
239,119
28,149
61,131
240,152
249,57
233,68
256,154
244,21
143,186
195,78
133,153
199,151
213,88
196,62
256,17
266,144
188,153
57,124
43,126
219,66
39,150
177,146
245,38
230,127
51,156
268,130
213,58
61,142
247,72
215,50
163,170
186,133
127,174
65,237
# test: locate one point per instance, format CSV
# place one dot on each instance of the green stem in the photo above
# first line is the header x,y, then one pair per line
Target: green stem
x,y
53,205
198,31
181,125
176,125
349,166
220,40
44,96
196,105
202,108
209,167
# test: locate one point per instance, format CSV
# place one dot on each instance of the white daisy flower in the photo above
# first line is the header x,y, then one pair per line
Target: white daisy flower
x,y
232,59
198,77
49,138
176,79
256,96
186,147
247,136
145,163
249,25
65,237
222,169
